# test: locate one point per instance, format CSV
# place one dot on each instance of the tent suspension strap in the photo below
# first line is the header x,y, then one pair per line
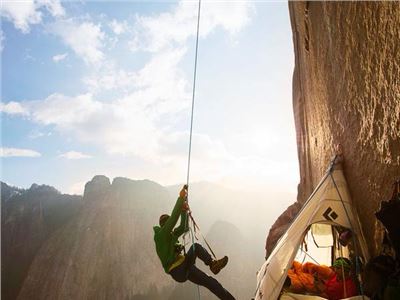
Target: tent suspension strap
x,y
307,254
342,269
353,237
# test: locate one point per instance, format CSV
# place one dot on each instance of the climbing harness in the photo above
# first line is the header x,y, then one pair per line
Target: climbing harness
x,y
197,229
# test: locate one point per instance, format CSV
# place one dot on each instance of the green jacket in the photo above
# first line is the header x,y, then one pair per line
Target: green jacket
x,y
166,237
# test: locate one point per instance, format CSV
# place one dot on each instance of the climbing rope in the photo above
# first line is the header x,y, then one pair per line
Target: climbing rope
x,y
191,125
193,94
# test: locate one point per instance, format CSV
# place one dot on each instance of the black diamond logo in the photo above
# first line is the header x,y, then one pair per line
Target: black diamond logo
x,y
330,214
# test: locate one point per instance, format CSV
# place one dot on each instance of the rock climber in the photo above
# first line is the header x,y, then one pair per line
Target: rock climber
x,y
180,266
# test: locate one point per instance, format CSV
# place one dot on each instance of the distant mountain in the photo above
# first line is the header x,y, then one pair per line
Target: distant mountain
x,y
28,218
7,192
108,251
239,275
100,246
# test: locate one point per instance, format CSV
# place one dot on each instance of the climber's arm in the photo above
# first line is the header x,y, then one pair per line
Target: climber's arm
x,y
173,219
184,226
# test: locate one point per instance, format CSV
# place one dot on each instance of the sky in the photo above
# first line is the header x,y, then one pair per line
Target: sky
x,y
96,87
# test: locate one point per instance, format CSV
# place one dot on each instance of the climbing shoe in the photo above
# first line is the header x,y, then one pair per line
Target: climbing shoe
x,y
218,264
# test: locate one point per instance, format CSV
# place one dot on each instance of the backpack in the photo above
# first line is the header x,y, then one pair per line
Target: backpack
x,y
389,216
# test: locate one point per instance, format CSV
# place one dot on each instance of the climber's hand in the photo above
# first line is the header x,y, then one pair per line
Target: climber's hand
x,y
185,206
183,192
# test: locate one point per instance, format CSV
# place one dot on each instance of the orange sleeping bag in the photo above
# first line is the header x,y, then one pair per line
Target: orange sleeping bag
x,y
302,277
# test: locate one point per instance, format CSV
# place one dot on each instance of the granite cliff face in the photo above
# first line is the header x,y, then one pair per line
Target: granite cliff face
x,y
107,251
104,249
29,217
346,89
103,252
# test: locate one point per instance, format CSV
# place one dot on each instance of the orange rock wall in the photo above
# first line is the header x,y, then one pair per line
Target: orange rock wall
x,y
346,89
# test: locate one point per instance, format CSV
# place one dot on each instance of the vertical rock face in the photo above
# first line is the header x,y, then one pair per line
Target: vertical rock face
x,y
97,188
28,218
107,250
280,226
346,89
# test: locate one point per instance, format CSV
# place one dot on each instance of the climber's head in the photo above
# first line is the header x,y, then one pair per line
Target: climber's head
x,y
163,219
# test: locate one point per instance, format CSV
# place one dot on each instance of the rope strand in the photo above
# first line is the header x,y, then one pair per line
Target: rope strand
x,y
191,120
193,94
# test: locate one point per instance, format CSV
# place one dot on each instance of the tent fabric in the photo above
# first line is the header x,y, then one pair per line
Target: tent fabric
x,y
322,235
292,296
330,203
312,253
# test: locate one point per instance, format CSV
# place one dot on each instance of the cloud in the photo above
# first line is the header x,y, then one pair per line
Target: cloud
x,y
127,125
62,111
141,116
135,123
132,124
160,79
29,12
74,155
53,6
60,57
2,39
13,108
77,188
154,33
84,38
118,27
109,77
36,134
29,57
209,157
16,152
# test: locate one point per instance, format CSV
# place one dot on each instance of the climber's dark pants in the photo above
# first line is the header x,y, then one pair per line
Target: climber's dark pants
x,y
188,271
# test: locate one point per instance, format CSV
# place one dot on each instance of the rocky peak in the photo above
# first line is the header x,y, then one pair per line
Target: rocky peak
x,y
280,226
7,192
43,189
29,217
97,187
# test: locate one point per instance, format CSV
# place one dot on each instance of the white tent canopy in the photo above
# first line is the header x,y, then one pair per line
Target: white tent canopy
x,y
330,204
